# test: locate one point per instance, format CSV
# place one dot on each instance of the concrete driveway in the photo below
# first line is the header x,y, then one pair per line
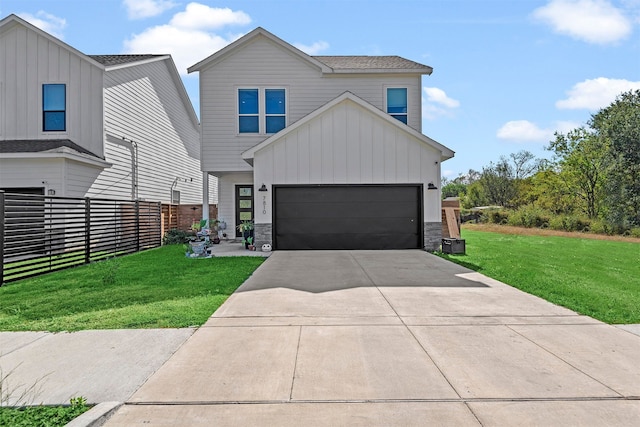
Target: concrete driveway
x,y
393,338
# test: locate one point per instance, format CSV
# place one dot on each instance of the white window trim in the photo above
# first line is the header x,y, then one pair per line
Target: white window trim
x,y
66,110
386,106
262,114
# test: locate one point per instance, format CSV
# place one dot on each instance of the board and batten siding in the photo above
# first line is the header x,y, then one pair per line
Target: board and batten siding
x,y
143,104
348,145
263,64
36,60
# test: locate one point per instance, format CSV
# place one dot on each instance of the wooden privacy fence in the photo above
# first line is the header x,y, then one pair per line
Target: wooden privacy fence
x,y
39,234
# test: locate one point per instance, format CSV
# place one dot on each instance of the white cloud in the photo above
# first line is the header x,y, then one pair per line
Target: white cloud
x,y
437,103
523,131
189,36
595,93
313,49
593,21
139,9
439,96
198,16
46,22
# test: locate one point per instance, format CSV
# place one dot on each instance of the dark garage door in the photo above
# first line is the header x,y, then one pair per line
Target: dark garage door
x,y
348,217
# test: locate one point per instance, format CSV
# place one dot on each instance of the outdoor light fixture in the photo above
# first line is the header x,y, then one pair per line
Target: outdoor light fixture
x,y
51,192
263,188
430,186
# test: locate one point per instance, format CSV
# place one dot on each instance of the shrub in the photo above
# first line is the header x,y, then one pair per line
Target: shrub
x,y
635,232
175,237
599,227
497,216
531,217
570,223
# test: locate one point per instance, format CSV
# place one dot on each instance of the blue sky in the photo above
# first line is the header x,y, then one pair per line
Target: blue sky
x,y
507,73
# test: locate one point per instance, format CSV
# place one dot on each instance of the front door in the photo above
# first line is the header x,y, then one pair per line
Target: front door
x,y
244,205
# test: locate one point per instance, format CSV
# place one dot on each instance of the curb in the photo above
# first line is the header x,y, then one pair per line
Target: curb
x,y
96,416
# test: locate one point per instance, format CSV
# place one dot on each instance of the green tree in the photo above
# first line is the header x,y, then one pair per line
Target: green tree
x,y
581,155
498,183
619,124
453,189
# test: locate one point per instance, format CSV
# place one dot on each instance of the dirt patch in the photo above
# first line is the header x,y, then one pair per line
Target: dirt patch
x,y
508,229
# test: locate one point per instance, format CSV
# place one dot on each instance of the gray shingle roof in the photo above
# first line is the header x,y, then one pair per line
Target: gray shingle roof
x,y
40,145
388,63
109,60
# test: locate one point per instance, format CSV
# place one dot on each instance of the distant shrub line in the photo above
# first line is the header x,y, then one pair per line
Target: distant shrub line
x,y
535,217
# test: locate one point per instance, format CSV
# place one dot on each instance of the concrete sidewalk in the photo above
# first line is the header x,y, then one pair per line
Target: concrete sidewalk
x,y
361,338
101,366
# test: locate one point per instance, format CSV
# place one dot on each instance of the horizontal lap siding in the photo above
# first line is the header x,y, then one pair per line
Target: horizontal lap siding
x,y
144,105
262,63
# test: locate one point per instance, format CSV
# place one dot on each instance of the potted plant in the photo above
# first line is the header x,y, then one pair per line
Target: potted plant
x,y
246,228
250,244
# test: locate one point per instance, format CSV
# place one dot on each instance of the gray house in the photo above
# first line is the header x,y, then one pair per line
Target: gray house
x,y
106,126
321,152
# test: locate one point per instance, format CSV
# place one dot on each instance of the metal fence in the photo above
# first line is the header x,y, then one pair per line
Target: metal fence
x,y
39,234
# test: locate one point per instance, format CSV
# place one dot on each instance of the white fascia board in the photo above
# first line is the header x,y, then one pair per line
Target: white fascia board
x,y
247,38
69,155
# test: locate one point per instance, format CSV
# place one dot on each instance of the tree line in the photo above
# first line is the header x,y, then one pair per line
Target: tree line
x,y
591,183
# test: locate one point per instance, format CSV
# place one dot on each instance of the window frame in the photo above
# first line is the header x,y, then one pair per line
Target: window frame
x,y
394,114
262,109
45,111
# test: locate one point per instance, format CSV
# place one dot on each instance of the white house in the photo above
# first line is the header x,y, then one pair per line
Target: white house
x,y
321,152
105,126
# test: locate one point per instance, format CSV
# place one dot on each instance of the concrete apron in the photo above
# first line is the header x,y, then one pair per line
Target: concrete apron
x,y
403,338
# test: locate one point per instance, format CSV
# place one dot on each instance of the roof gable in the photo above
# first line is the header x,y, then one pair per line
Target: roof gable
x,y
13,20
446,153
249,38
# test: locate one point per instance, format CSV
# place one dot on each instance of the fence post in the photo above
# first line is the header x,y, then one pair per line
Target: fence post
x,y
160,228
137,226
87,230
1,237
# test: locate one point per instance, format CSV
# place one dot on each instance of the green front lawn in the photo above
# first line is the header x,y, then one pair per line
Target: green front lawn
x,y
43,416
598,278
158,288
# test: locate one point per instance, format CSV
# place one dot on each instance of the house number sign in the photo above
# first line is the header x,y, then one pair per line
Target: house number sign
x,y
264,205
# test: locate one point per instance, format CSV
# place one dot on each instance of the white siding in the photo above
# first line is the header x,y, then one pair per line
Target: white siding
x,y
142,103
28,61
262,63
348,144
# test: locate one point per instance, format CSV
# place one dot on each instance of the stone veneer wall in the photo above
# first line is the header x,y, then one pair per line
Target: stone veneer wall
x,y
432,236
262,233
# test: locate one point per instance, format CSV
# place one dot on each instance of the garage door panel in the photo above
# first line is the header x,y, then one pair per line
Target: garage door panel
x,y
348,217
347,225
343,209
343,241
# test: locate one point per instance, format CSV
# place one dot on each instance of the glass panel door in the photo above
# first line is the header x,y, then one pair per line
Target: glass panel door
x,y
244,205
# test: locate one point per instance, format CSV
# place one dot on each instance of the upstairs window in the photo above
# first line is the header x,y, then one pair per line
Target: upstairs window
x,y
54,107
248,111
275,110
262,110
397,103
